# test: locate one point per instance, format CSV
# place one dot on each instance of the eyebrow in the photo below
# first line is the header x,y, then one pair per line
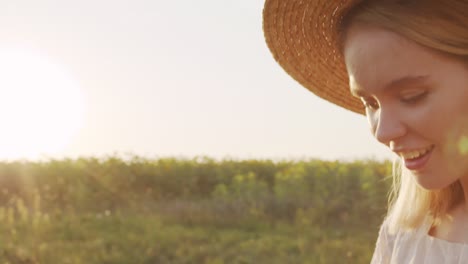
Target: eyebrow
x,y
401,82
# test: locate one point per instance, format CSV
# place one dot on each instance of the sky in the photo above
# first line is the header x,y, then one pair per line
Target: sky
x,y
178,78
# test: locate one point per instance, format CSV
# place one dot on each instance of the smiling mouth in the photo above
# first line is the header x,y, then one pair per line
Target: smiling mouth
x,y
416,159
415,154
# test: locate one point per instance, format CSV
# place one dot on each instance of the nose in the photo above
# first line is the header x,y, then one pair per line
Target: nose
x,y
387,126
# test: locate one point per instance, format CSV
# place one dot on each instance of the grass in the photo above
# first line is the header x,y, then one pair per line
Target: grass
x,y
124,238
151,212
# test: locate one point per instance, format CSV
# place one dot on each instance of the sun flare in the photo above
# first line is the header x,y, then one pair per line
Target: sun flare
x,y
41,106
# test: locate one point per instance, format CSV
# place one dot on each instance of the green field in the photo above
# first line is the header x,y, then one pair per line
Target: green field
x,y
190,211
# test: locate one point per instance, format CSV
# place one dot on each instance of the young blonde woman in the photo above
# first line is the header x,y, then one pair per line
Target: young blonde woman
x,y
404,65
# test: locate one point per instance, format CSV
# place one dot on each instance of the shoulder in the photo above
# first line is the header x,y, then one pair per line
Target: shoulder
x,y
397,244
384,245
387,234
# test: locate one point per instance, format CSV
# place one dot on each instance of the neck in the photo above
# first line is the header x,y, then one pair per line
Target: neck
x,y
464,184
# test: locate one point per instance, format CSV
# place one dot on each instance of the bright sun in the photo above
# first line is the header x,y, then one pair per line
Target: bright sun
x,y
41,106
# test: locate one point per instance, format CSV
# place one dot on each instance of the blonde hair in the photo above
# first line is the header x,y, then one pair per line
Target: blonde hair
x,y
441,26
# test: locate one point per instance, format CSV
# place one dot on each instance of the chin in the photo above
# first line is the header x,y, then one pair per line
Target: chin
x,y
431,184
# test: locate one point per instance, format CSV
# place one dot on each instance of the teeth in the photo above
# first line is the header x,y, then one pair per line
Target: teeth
x,y
415,153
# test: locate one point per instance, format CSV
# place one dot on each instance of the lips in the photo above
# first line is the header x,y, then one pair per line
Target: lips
x,y
416,160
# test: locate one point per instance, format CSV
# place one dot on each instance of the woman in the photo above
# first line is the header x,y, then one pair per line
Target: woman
x,y
403,64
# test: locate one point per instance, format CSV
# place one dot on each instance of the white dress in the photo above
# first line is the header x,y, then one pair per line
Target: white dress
x,y
417,247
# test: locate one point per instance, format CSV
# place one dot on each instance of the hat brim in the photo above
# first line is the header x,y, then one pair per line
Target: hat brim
x,y
303,37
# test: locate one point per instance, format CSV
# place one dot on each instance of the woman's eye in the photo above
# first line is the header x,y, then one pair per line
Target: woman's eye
x,y
413,98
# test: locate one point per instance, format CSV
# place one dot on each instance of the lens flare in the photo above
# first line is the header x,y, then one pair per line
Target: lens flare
x,y
41,105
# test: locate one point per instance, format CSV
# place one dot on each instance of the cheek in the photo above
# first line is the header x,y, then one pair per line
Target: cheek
x,y
453,132
456,139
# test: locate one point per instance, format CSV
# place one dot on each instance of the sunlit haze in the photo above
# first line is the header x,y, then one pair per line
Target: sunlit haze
x,y
41,106
158,78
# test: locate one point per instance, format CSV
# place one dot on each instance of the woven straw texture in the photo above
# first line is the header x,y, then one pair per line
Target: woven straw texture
x,y
302,36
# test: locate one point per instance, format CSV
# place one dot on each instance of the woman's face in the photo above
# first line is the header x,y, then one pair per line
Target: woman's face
x,y
416,102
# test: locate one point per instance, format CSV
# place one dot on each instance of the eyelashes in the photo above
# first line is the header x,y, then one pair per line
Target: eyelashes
x,y
414,98
372,104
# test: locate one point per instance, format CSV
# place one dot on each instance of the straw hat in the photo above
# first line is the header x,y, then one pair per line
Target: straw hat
x,y
303,37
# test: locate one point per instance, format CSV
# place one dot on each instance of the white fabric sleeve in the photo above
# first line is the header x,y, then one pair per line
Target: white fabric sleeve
x,y
384,246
